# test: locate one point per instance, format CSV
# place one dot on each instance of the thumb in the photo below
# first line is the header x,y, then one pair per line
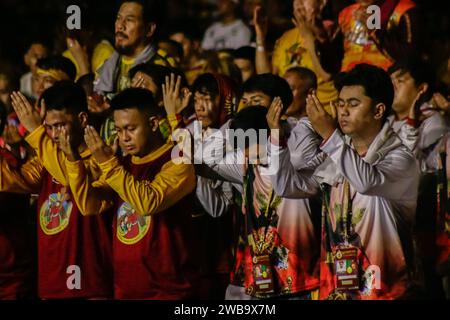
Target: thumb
x,y
333,110
115,145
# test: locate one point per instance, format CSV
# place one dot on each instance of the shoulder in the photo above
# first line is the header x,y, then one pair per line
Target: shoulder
x,y
288,36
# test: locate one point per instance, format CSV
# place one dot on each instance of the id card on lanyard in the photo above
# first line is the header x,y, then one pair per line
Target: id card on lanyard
x,y
346,262
261,246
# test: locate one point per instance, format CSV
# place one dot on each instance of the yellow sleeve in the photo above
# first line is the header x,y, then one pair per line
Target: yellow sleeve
x,y
48,154
27,179
91,199
170,185
174,121
102,52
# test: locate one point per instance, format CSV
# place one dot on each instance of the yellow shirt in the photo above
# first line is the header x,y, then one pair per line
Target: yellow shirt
x,y
101,53
25,180
170,185
54,161
290,52
124,81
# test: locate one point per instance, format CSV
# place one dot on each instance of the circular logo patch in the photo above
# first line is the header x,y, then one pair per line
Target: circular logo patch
x,y
131,226
55,213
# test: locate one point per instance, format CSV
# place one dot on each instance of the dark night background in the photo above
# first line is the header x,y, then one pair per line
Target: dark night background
x,y
24,20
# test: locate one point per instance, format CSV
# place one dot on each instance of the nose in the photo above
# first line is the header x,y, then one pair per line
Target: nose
x,y
120,26
53,133
199,106
124,136
343,111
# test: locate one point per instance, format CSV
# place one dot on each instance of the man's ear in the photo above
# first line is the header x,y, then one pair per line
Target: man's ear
x,y
83,118
151,28
154,123
380,110
423,87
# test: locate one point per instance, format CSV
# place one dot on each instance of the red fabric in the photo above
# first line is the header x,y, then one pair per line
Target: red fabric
x,y
83,242
159,265
227,93
15,242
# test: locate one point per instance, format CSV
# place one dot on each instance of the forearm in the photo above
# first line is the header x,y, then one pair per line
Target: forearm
x,y
286,180
367,178
27,179
89,199
48,154
173,183
262,61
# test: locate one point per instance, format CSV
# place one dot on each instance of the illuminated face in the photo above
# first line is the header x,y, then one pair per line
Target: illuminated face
x,y
206,109
55,120
355,111
134,131
42,82
405,91
130,29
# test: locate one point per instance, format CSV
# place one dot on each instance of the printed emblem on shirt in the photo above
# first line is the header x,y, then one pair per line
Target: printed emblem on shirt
x,y
294,55
55,213
131,226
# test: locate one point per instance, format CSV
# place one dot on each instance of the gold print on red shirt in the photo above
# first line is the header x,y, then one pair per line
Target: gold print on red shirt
x,y
55,212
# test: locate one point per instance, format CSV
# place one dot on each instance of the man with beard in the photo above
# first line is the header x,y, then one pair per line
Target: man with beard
x,y
135,30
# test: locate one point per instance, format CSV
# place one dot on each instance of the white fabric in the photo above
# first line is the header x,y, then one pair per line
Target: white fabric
x,y
229,36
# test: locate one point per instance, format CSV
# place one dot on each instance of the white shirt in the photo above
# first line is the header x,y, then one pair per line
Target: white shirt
x,y
226,36
384,185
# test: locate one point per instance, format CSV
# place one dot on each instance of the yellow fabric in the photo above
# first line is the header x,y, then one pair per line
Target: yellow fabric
x,y
358,46
169,186
56,163
69,56
124,81
167,60
27,179
174,121
102,52
58,75
290,52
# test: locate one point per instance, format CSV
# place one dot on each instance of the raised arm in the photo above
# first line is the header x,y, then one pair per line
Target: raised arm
x,y
148,197
24,179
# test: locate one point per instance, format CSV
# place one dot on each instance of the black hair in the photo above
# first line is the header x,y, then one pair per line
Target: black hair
x,y
176,49
157,72
419,70
251,117
59,63
376,83
271,85
136,98
152,10
206,84
65,95
87,83
305,74
246,52
3,117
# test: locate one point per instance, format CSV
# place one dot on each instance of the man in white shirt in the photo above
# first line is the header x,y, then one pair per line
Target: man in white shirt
x,y
230,32
369,183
